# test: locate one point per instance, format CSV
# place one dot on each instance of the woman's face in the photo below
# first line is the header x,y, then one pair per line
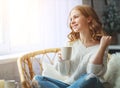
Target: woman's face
x,y
78,22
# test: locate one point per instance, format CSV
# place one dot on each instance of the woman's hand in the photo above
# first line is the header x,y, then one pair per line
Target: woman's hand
x,y
60,56
105,41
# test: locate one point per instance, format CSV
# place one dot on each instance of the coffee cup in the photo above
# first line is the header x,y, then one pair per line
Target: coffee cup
x,y
66,52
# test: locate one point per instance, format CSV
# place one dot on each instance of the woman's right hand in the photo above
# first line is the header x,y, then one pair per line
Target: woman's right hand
x,y
60,56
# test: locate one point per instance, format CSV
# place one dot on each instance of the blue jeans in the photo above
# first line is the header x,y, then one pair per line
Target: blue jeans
x,y
85,81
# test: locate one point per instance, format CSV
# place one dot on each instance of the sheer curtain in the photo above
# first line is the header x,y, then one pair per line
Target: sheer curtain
x,y
34,24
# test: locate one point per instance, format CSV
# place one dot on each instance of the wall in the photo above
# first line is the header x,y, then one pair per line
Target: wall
x,y
98,5
9,70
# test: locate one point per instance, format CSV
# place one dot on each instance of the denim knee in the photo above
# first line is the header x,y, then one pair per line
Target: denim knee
x,y
94,80
86,81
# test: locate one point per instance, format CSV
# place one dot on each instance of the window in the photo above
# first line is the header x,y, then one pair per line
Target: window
x,y
27,25
1,31
1,35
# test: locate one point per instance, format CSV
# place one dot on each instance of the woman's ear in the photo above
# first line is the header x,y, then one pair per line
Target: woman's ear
x,y
89,19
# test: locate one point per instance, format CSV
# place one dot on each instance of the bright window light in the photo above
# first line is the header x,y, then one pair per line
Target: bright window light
x,y
34,24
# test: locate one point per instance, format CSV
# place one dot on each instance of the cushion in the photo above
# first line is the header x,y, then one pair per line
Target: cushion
x,y
112,74
50,71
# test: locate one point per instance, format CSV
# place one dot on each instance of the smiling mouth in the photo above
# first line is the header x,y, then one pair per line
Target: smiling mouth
x,y
75,26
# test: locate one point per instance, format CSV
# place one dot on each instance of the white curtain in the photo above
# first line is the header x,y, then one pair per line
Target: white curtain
x,y
34,24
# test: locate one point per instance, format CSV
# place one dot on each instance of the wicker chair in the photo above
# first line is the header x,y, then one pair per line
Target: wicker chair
x,y
31,64
33,60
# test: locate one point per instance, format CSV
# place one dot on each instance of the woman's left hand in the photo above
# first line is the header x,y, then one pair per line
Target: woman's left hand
x,y
105,41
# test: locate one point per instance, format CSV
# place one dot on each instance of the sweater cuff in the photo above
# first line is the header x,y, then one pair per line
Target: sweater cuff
x,y
64,67
95,68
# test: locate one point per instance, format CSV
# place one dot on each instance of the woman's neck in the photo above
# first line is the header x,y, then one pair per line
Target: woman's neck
x,y
87,40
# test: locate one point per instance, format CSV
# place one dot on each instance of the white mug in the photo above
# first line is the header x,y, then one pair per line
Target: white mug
x,y
66,52
11,84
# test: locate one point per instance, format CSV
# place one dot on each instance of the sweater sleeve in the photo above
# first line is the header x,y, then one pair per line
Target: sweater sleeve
x,y
98,69
63,67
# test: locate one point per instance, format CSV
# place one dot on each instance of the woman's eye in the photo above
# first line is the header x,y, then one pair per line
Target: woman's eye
x,y
76,16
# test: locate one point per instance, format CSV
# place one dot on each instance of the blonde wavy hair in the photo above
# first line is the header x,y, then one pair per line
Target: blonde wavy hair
x,y
95,26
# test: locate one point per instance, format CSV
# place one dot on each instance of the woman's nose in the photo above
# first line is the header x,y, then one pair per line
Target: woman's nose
x,y
73,21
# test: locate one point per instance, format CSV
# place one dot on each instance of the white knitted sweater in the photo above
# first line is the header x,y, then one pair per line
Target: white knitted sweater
x,y
79,63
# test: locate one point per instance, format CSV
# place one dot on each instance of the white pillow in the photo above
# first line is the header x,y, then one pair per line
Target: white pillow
x,y
113,69
50,71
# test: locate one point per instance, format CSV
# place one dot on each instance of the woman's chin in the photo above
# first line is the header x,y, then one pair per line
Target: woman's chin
x,y
76,31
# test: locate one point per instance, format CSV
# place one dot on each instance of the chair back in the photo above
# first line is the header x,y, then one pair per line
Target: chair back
x,y
30,64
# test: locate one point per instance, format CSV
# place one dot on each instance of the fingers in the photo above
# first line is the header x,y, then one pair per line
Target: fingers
x,y
105,41
106,38
60,56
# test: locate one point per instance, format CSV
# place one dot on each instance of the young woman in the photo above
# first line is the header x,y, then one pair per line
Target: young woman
x,y
89,45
